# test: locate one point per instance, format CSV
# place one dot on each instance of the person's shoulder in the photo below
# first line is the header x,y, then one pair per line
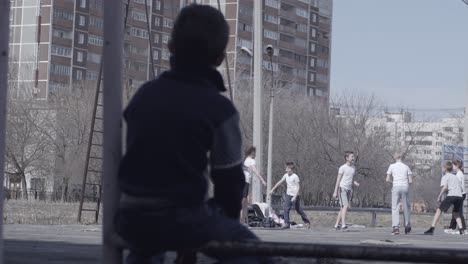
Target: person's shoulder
x,y
249,161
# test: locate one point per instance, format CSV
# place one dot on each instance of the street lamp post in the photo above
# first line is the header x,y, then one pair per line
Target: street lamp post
x,y
269,50
465,132
258,96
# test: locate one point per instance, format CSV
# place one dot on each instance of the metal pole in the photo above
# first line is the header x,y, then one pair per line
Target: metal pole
x,y
4,38
465,138
270,133
112,139
258,97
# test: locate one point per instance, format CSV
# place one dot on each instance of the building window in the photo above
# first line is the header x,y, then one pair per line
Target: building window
x,y
312,77
301,27
62,34
155,54
156,38
129,48
300,42
167,22
83,3
271,18
82,21
439,134
139,16
439,153
95,40
267,65
63,14
427,152
245,10
165,38
448,129
60,51
96,22
323,78
60,69
286,38
137,66
79,75
91,75
137,32
157,5
302,12
314,18
312,62
313,32
165,55
94,57
313,47
157,21
96,5
80,38
270,34
245,43
272,3
323,63
320,93
79,56
245,27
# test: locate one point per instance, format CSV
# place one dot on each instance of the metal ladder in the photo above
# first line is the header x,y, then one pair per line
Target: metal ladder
x,y
91,188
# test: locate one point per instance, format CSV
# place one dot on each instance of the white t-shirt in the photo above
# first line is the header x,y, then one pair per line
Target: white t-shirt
x,y
247,170
348,175
292,183
461,178
400,173
453,184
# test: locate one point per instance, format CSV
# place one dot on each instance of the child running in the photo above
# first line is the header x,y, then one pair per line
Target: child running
x,y
292,195
452,186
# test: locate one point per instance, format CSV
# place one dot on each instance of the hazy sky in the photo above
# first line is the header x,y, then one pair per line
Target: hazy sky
x,y
409,53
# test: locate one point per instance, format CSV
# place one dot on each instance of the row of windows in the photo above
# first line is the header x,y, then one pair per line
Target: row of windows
x,y
96,22
138,32
63,14
60,69
167,22
95,40
60,51
164,54
90,75
130,48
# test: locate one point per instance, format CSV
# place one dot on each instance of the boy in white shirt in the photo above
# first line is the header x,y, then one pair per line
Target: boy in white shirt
x,y
250,169
400,176
458,166
292,195
452,186
344,189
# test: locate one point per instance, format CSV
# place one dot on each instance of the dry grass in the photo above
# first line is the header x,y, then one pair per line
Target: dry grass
x,y
44,213
58,213
327,219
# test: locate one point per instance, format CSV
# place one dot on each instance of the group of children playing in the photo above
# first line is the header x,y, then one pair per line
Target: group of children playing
x,y
398,174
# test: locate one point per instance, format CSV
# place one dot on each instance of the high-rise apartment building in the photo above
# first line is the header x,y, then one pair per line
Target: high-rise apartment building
x,y
299,31
58,43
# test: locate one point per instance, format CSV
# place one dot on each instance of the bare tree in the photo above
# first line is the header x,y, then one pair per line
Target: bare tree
x,y
28,150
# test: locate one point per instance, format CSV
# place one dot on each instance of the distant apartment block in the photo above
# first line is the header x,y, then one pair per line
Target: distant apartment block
x,y
57,44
